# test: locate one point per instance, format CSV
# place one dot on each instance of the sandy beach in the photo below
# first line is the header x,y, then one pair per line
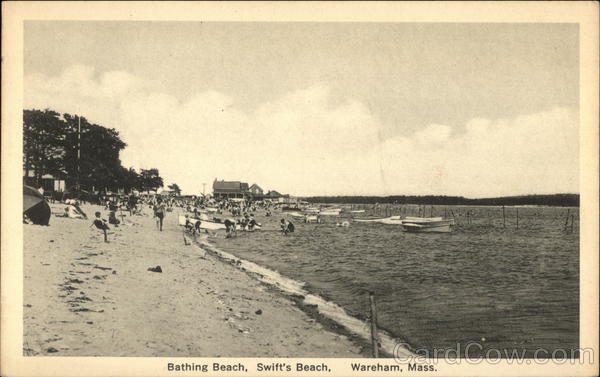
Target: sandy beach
x,y
85,297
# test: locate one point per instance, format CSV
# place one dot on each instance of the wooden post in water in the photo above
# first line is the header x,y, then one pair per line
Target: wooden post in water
x,y
503,218
572,221
517,218
567,220
374,338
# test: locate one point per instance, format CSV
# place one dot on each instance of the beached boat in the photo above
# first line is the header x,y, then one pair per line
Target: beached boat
x,y
204,224
290,208
297,215
330,212
427,224
311,219
311,210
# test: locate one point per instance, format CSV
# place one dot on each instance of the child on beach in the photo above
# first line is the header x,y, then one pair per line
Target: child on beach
x,y
229,228
251,223
101,224
287,227
112,218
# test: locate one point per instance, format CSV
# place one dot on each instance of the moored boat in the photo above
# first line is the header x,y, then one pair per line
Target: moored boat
x,y
392,220
427,225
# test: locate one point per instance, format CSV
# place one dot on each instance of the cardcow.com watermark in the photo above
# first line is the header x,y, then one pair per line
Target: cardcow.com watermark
x,y
475,353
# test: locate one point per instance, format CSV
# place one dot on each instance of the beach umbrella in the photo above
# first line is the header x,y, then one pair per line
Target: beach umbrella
x,y
35,206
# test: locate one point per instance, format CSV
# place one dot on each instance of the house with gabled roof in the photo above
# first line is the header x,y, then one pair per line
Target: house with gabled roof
x,y
256,192
230,189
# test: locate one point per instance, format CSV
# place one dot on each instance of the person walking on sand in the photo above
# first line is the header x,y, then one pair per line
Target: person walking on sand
x,y
101,224
159,213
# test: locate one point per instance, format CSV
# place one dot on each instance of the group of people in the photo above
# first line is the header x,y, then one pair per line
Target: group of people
x,y
242,212
73,210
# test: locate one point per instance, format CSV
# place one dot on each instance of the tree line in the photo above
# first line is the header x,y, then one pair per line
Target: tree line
x,y
84,154
561,200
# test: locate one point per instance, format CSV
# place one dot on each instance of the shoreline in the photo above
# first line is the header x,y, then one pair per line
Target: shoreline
x,y
326,312
84,297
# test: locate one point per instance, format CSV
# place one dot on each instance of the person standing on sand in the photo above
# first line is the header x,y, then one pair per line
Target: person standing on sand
x,y
159,213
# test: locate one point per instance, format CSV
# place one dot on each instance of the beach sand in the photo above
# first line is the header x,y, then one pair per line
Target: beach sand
x,y
85,297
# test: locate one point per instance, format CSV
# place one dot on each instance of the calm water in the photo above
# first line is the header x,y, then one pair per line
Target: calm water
x,y
516,288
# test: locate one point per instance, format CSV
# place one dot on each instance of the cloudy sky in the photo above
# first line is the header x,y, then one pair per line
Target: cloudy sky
x,y
324,108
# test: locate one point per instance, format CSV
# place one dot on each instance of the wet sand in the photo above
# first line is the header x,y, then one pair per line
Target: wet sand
x,y
85,297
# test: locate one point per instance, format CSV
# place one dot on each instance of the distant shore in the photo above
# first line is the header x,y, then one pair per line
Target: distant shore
x,y
556,200
84,297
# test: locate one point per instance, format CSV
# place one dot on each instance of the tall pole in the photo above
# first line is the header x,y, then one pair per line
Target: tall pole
x,y
374,337
204,189
78,149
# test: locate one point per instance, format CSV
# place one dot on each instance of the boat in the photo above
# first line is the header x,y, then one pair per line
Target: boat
x,y
330,212
312,219
290,208
204,224
358,211
297,215
392,220
427,225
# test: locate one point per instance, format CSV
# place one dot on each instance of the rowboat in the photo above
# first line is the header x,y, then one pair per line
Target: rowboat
x,y
330,212
311,219
297,215
414,224
427,225
358,211
204,224
392,220
311,210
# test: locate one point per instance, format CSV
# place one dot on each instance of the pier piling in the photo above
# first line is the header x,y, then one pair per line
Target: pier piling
x,y
503,217
567,219
572,222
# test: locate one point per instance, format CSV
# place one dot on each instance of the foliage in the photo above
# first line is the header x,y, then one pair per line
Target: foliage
x,y
150,180
52,144
43,138
175,188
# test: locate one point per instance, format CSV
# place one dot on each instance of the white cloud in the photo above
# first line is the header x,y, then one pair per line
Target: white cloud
x,y
303,144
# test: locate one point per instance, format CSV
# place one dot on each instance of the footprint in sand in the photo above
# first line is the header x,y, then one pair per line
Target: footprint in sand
x,y
103,268
81,310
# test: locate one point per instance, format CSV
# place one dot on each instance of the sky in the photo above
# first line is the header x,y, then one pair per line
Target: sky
x,y
475,110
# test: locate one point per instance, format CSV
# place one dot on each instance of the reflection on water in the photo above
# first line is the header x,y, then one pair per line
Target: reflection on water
x,y
515,288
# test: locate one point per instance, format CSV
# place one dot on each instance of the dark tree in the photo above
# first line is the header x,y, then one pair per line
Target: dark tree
x,y
43,138
175,188
150,179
